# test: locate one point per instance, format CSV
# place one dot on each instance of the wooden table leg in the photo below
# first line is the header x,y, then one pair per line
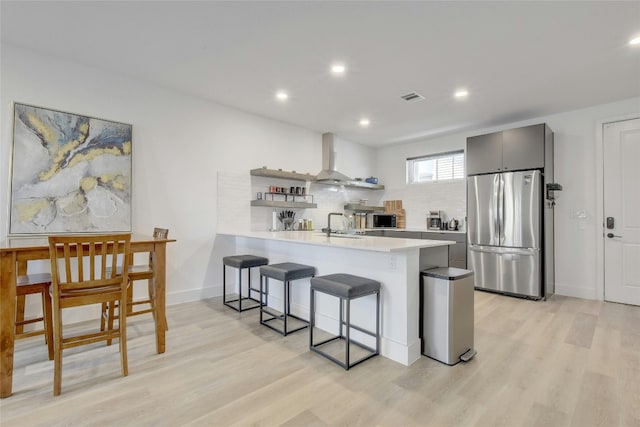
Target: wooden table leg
x,y
160,287
7,321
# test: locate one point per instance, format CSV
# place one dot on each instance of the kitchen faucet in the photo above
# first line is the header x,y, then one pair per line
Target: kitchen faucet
x,y
329,222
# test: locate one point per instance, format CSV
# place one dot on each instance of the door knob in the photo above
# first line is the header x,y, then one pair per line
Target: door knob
x,y
611,235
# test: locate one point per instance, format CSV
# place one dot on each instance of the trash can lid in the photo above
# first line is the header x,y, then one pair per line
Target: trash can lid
x,y
448,273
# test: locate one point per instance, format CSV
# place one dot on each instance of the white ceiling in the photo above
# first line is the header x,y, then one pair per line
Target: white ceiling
x,y
518,60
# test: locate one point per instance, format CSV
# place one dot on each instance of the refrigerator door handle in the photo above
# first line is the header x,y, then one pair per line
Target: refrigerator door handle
x,y
501,211
490,250
496,217
503,250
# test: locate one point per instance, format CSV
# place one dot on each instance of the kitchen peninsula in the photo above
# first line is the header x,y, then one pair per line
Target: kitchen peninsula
x,y
395,262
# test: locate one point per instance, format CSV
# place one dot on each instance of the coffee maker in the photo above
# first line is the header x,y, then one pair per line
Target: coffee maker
x,y
434,220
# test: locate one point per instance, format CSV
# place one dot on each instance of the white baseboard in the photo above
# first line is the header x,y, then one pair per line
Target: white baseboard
x,y
193,295
576,291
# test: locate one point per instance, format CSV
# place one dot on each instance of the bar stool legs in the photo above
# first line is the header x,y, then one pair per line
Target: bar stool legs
x,y
346,288
241,262
284,272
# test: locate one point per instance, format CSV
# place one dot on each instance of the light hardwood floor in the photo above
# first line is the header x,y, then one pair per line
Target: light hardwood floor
x,y
562,362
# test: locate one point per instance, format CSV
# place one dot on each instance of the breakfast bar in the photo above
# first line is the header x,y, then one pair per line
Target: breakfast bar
x,y
394,262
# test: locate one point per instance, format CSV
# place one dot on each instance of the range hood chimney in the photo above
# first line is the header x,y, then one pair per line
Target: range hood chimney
x,y
329,172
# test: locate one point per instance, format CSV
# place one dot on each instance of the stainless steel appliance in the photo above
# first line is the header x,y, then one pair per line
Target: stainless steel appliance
x,y
434,220
329,172
384,221
505,223
447,314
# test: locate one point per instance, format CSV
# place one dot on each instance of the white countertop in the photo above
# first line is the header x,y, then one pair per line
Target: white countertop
x,y
365,243
421,230
442,231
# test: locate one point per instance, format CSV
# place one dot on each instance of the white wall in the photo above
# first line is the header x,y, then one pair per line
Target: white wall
x,y
180,145
575,166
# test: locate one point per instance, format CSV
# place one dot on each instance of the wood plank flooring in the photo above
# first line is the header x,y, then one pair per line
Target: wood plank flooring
x,y
564,362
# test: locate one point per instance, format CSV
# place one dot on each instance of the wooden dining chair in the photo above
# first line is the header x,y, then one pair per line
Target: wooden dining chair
x,y
34,284
138,273
75,283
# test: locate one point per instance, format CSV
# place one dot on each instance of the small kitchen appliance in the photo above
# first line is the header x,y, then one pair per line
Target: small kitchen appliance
x,y
384,221
434,220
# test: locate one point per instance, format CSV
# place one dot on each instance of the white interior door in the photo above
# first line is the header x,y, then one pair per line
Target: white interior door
x,y
622,212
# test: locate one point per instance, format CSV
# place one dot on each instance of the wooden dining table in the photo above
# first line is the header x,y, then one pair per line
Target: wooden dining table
x,y
16,252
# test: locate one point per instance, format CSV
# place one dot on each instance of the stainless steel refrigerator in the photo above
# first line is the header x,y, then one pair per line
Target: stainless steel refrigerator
x,y
505,223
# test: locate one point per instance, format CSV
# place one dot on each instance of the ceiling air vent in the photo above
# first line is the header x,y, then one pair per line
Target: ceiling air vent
x,y
412,97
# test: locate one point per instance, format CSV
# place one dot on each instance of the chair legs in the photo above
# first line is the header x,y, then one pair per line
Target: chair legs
x,y
122,326
106,319
57,346
59,343
20,304
111,315
48,322
108,310
46,318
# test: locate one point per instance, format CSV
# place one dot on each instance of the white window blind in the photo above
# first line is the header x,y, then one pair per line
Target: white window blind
x,y
436,167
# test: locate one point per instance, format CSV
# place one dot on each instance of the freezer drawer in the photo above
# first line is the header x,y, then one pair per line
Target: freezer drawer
x,y
509,270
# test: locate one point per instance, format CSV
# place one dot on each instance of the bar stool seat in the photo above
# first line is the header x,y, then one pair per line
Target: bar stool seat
x,y
346,287
244,261
241,262
284,272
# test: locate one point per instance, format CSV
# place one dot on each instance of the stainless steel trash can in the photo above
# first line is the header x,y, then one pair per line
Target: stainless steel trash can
x,y
447,314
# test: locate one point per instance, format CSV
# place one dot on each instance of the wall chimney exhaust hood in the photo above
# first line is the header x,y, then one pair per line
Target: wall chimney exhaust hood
x,y
329,174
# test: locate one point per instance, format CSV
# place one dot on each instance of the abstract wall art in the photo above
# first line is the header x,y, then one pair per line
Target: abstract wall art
x,y
70,173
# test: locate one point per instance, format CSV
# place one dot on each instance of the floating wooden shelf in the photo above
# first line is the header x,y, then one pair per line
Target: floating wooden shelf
x,y
283,204
353,184
362,208
272,173
295,176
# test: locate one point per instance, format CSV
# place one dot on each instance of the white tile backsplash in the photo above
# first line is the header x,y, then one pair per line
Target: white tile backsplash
x,y
236,190
419,199
233,196
329,198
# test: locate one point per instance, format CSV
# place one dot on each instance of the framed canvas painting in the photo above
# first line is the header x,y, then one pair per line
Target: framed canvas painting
x,y
70,173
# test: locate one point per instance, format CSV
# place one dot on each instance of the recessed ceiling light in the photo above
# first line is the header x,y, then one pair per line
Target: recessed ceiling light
x,y
461,93
635,40
364,122
338,68
282,95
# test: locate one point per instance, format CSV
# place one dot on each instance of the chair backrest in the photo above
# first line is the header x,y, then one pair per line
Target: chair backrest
x,y
160,233
72,283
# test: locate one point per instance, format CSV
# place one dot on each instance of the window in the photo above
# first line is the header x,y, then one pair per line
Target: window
x,y
436,167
